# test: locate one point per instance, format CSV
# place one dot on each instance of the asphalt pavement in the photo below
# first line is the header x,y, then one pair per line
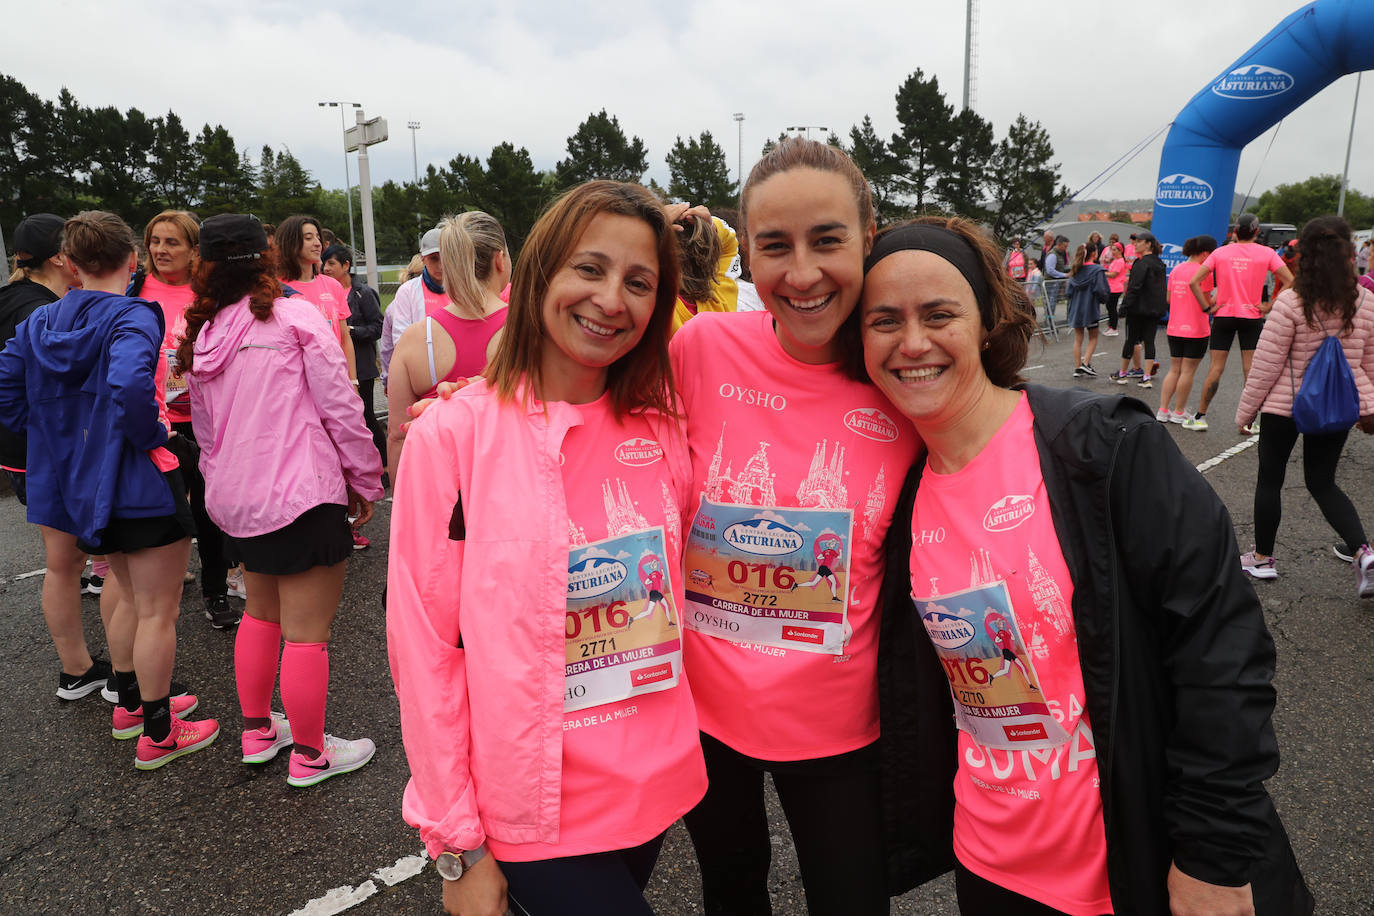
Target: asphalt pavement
x,y
81,831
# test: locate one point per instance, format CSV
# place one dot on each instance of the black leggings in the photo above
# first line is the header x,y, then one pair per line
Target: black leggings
x,y
1320,455
832,806
601,884
209,539
979,895
378,431
1140,329
1112,300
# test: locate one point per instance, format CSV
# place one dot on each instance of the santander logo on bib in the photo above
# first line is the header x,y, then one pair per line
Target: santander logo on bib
x,y
1179,190
1253,81
638,452
871,423
1008,512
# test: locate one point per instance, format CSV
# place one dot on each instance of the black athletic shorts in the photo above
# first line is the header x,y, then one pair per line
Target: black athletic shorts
x,y
318,537
1187,347
1225,330
126,535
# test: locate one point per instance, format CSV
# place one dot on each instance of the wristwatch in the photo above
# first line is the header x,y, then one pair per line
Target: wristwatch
x,y
453,865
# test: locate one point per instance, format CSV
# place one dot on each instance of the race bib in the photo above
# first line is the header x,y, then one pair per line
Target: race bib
x,y
176,385
773,577
622,625
992,678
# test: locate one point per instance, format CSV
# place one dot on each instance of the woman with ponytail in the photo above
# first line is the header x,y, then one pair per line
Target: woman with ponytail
x,y
458,340
287,459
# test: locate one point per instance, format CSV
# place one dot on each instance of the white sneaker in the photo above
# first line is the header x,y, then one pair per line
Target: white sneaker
x,y
338,756
1179,416
234,581
1162,415
261,745
1364,571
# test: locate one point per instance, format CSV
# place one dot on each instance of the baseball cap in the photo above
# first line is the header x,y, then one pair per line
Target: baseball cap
x,y
39,237
1145,237
429,242
232,237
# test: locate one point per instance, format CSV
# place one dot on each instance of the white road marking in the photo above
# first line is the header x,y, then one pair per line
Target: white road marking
x,y
1233,451
1041,366
29,575
343,898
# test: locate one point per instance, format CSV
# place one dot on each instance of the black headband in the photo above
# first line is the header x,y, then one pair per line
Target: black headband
x,y
938,240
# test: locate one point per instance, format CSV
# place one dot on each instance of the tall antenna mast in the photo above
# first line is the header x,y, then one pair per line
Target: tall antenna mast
x,y
970,54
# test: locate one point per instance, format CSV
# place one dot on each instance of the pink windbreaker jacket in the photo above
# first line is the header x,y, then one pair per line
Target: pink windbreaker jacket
x,y
280,428
476,605
1269,389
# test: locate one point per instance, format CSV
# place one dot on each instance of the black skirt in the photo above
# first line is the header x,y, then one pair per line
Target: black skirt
x,y
318,537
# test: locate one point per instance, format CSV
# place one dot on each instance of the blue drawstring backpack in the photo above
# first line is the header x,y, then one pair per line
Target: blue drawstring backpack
x,y
1328,401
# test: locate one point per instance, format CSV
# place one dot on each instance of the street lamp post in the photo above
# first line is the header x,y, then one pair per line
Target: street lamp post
x,y
739,157
359,137
348,181
414,159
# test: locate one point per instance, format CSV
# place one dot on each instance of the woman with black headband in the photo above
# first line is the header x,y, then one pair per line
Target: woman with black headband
x,y
1111,689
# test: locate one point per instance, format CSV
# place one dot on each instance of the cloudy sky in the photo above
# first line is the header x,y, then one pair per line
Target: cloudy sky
x,y
1100,77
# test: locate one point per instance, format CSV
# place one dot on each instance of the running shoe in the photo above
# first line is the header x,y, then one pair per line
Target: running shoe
x,y
1110,332
1145,382
1197,424
1260,569
125,724
1162,415
234,583
188,577
220,614
92,584
1154,367
1119,377
360,542
1179,416
1343,552
1135,373
339,756
1088,370
1078,372
261,744
108,692
1254,427
76,686
1364,571
184,738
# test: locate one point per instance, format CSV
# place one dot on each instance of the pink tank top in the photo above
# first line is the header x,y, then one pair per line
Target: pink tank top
x,y
470,338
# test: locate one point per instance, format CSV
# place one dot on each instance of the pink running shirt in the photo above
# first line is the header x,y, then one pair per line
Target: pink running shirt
x,y
1027,818
1122,267
174,301
1241,269
632,767
766,430
1186,317
329,297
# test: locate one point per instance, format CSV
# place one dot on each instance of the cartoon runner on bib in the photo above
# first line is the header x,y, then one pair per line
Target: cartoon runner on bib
x,y
999,631
651,575
828,548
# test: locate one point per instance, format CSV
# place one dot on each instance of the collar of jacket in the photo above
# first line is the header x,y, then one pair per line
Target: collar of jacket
x,y
430,283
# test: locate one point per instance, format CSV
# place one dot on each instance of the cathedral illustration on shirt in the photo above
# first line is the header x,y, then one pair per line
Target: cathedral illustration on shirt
x,y
822,488
624,517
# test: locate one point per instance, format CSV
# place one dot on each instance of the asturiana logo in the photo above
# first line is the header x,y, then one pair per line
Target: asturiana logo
x,y
948,631
763,537
638,452
871,423
1253,81
1008,512
1172,255
595,575
1179,190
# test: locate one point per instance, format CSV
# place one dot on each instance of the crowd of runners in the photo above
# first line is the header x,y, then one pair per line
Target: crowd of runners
x,y
651,541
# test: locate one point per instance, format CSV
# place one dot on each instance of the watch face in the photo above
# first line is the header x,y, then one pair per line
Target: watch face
x,y
449,866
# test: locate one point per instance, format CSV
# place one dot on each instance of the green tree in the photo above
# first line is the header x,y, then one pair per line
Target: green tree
x,y
599,149
962,186
508,188
1318,195
926,137
284,187
173,165
1023,179
223,183
699,173
884,171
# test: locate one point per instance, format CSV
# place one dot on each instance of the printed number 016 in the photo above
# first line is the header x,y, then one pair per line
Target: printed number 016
x,y
615,618
782,578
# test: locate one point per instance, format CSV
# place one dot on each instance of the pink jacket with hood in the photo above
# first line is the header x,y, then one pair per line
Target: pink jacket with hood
x,y
476,605
1286,339
280,428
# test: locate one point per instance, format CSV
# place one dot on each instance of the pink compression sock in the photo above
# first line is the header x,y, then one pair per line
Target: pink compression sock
x,y
256,650
100,568
304,687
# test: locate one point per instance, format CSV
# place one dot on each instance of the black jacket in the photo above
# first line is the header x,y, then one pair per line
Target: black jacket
x,y
1147,294
18,301
1176,660
365,323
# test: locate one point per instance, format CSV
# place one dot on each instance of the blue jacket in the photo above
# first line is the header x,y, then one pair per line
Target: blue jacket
x,y
78,377
1088,287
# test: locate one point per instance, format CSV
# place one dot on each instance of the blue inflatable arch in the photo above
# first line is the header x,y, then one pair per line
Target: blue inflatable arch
x,y
1304,54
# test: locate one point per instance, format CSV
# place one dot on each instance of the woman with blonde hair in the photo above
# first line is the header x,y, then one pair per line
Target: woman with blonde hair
x,y
458,340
